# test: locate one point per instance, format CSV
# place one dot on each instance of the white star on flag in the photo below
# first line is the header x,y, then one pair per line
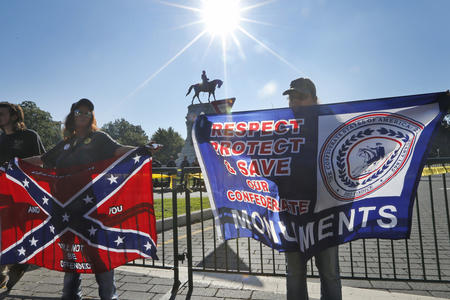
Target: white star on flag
x,y
92,230
21,251
112,179
147,246
45,199
33,241
65,217
25,183
87,199
136,158
118,241
52,228
10,166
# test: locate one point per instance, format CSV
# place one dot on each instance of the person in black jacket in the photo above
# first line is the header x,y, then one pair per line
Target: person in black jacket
x,y
302,92
15,141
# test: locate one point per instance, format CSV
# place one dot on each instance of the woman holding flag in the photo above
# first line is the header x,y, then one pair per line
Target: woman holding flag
x,y
83,144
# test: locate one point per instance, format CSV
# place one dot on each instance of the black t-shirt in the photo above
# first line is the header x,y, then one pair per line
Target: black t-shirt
x,y
22,143
79,151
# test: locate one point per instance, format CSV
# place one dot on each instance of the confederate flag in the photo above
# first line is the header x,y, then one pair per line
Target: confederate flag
x,y
87,219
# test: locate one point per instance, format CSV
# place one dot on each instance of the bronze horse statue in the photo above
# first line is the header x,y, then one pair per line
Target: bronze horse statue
x,y
209,88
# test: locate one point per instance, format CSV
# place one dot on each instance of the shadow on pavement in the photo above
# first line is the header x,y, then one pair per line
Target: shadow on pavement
x,y
224,259
5,295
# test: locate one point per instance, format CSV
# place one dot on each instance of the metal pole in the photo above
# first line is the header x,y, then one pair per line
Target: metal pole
x,y
189,243
176,274
420,238
162,223
444,182
433,219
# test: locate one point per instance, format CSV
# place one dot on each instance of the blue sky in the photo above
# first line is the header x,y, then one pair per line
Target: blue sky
x,y
55,52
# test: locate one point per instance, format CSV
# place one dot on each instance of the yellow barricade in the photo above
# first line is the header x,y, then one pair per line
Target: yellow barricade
x,y
196,179
436,170
164,177
195,175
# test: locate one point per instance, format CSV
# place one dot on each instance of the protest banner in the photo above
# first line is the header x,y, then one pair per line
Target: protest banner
x,y
306,178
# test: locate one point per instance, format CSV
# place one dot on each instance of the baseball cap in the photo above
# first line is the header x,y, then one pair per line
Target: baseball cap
x,y
83,102
303,86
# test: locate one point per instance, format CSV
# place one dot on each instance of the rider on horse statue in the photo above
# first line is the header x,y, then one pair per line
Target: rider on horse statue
x,y
206,86
204,78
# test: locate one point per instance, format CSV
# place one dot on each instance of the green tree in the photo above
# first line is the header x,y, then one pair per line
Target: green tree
x,y
172,142
42,122
126,133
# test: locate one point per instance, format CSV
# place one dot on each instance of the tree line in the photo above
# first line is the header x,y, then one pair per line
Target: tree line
x,y
121,130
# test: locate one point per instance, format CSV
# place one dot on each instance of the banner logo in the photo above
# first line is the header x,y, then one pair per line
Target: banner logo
x,y
365,153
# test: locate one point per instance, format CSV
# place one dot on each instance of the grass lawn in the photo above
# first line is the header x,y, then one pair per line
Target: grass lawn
x,y
195,205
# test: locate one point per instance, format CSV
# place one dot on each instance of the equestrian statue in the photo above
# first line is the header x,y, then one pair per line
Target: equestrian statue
x,y
206,86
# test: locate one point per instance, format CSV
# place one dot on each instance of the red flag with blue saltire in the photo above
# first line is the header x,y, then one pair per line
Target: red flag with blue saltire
x,y
86,219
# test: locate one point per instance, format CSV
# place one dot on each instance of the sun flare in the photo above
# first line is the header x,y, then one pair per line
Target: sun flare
x,y
224,21
221,17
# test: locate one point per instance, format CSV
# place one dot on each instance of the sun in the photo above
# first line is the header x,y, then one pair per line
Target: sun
x,y
221,17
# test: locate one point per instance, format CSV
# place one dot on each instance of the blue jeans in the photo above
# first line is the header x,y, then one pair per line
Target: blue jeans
x,y
105,281
327,262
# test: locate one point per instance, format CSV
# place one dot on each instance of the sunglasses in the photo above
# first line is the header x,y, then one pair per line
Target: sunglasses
x,y
78,113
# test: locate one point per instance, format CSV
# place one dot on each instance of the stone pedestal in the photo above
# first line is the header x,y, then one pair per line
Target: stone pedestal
x,y
194,110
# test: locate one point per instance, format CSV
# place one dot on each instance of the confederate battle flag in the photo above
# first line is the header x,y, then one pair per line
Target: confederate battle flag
x,y
88,219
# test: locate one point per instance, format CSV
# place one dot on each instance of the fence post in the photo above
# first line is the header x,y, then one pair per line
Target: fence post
x,y
176,273
189,242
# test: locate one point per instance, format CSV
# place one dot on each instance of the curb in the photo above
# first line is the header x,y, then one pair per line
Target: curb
x,y
196,216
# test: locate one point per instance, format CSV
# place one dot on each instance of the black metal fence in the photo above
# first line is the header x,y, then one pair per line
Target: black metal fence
x,y
425,257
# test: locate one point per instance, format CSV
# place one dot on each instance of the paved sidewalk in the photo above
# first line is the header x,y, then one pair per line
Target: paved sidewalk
x,y
148,283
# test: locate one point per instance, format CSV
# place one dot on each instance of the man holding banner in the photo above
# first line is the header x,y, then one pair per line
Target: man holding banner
x,y
307,178
302,92
16,141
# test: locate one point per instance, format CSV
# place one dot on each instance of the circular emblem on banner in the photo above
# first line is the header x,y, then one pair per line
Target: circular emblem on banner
x,y
365,153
